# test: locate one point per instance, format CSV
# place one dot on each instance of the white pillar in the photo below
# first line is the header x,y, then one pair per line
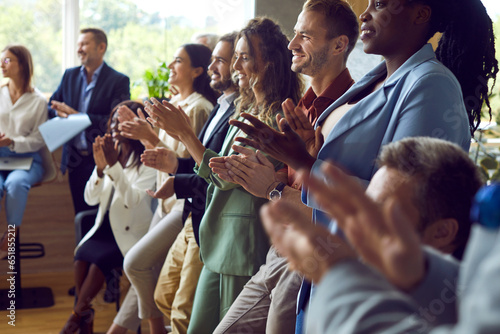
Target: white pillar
x,y
70,28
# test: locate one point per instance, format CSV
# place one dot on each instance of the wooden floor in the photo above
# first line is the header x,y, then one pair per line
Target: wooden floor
x,y
49,220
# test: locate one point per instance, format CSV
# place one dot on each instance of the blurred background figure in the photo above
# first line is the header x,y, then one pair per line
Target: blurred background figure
x,y
22,109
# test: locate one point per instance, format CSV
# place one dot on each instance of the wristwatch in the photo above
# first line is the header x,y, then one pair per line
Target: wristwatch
x,y
275,194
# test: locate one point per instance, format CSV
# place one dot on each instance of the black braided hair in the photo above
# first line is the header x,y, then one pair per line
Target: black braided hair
x,y
467,48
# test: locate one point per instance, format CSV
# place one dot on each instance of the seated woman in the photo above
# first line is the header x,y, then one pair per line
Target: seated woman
x,y
188,72
118,184
22,109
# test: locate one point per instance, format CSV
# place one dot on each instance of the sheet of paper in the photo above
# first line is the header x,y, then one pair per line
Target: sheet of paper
x,y
11,163
57,131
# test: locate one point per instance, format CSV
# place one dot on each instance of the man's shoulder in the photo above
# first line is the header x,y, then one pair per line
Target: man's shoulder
x,y
111,71
71,72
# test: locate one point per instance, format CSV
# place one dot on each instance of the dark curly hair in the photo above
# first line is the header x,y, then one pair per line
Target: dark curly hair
x,y
467,48
279,81
136,145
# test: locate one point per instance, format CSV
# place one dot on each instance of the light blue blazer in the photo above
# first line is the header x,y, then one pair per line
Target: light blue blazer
x,y
422,98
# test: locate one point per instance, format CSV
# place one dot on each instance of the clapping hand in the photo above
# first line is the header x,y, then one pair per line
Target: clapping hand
x,y
160,158
284,145
251,170
300,124
4,140
310,249
133,127
165,191
62,109
168,117
99,158
384,236
110,150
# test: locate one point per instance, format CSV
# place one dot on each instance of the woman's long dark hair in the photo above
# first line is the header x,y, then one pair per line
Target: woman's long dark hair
x,y
467,48
201,56
135,145
279,81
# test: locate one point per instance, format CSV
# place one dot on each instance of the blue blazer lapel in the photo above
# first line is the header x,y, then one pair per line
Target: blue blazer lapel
x,y
75,94
363,109
98,85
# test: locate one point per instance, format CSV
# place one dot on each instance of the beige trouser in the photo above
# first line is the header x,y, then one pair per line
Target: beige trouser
x,y
267,303
176,285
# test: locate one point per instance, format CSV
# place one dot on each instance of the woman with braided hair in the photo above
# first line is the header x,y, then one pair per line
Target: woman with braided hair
x,y
467,48
413,92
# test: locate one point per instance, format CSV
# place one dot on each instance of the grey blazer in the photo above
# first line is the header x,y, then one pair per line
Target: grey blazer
x,y
352,298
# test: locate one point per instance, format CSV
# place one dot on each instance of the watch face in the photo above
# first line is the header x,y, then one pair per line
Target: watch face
x,y
275,195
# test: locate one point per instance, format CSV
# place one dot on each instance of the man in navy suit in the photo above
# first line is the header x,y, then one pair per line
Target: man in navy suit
x,y
94,89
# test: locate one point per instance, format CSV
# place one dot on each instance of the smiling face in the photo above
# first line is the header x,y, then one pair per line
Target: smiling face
x,y
310,46
220,68
89,52
182,74
386,26
10,65
114,128
244,63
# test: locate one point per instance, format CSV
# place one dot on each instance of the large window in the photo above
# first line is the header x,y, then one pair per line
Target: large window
x,y
35,24
141,33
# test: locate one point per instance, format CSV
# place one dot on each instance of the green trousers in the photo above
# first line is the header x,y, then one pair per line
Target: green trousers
x,y
214,295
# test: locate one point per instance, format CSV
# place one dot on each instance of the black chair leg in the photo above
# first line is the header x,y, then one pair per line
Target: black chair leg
x,y
16,297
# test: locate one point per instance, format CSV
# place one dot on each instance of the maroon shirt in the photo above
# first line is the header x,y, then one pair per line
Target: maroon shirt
x,y
313,106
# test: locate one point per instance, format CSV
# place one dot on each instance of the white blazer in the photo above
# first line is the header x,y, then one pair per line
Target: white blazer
x,y
130,210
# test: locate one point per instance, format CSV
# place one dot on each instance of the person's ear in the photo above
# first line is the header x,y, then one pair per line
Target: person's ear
x,y
102,47
197,71
441,234
340,44
423,14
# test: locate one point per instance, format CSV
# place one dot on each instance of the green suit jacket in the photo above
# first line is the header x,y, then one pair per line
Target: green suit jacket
x,y
232,238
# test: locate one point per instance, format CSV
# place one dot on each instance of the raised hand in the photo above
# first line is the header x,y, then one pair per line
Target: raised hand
x,y
384,237
285,146
139,129
165,191
4,140
125,114
63,110
110,150
300,124
310,249
252,170
168,117
99,158
160,158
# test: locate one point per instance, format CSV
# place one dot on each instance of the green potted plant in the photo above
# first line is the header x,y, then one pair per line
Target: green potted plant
x,y
490,168
156,81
